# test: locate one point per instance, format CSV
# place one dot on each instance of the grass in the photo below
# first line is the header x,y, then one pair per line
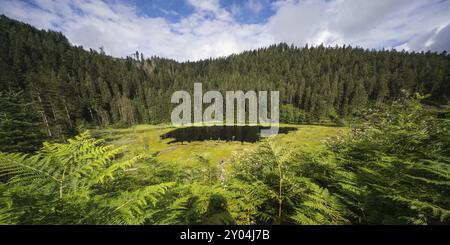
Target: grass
x,y
146,139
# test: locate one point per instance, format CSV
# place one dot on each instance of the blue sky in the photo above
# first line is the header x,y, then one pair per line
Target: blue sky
x,y
199,29
248,12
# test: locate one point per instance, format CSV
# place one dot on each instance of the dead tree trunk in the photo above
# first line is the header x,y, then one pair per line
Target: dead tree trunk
x,y
44,117
68,115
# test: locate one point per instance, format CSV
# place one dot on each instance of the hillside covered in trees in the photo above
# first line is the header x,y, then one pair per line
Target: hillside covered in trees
x,y
51,89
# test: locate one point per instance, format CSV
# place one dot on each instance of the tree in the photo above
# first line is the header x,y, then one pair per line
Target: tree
x,y
20,130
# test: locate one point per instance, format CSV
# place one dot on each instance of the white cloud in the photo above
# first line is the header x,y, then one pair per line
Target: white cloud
x,y
212,31
254,5
369,24
211,6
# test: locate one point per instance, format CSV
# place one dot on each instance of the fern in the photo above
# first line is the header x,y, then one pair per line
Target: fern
x,y
128,207
64,182
63,168
319,207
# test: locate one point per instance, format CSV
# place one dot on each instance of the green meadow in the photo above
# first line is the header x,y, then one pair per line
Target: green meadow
x,y
146,139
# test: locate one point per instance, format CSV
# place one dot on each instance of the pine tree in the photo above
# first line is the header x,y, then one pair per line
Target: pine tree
x,y
19,127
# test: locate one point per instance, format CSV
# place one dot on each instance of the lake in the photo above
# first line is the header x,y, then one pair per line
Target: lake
x,y
226,133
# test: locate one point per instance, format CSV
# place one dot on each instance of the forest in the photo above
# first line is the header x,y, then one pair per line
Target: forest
x,y
73,148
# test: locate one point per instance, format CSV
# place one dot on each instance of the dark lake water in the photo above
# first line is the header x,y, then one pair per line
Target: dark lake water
x,y
226,133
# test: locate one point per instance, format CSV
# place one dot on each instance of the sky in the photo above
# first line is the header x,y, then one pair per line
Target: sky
x,y
199,29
